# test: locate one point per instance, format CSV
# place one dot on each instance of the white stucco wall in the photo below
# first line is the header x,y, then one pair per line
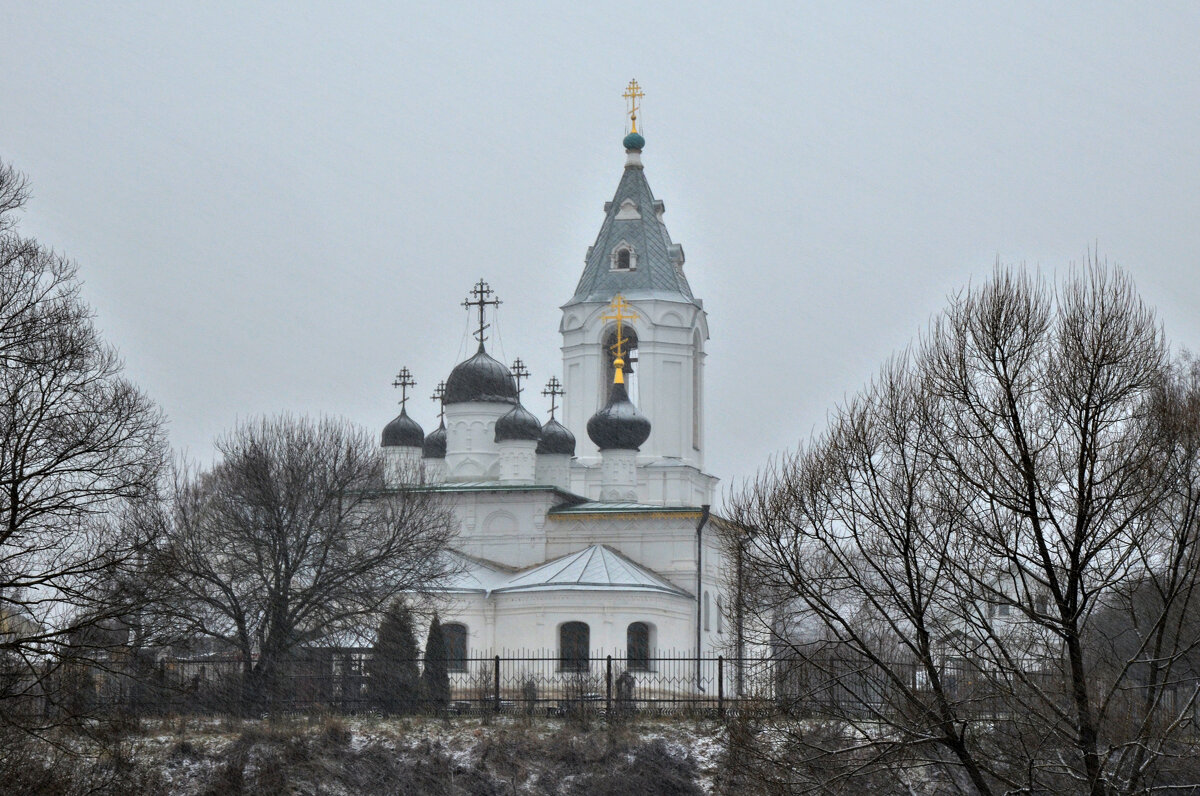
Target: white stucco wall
x,y
471,450
529,622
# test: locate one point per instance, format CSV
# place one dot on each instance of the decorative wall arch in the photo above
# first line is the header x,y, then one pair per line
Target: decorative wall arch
x,y
499,521
468,467
478,435
671,318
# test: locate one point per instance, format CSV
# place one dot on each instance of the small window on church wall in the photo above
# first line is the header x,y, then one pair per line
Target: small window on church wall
x,y
456,646
574,642
637,646
623,260
707,613
720,616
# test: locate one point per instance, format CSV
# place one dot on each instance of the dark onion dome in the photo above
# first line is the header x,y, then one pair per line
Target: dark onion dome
x,y
435,443
555,438
480,378
619,425
403,431
518,424
634,141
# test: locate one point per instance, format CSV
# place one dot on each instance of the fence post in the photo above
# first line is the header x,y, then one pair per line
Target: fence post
x,y
721,686
608,688
496,683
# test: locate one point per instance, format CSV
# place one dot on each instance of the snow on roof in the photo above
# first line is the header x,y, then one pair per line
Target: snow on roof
x,y
470,574
593,568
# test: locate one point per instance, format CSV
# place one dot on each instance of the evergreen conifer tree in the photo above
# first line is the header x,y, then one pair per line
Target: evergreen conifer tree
x,y
393,674
435,679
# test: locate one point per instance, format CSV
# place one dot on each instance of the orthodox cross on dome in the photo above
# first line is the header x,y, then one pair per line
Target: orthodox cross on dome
x,y
439,394
519,371
554,389
619,311
481,292
404,380
633,93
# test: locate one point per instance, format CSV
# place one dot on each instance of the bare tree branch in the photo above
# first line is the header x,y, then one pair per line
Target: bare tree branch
x,y
293,539
986,565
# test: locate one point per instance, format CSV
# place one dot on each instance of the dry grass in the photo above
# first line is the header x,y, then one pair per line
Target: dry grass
x,y
334,755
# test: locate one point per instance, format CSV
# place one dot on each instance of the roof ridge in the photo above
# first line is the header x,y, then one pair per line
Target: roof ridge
x,y
629,561
567,561
604,561
487,562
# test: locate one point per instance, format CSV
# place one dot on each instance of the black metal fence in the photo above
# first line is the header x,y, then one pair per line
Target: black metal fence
x,y
530,684
338,679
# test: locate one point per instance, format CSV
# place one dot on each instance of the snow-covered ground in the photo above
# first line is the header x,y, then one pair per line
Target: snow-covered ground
x,y
353,756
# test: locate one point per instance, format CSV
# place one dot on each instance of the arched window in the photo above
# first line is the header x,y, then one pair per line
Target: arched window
x,y
574,642
720,616
631,358
637,646
624,258
456,646
707,613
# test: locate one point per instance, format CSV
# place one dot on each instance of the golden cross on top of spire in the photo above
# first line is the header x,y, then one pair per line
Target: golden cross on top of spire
x,y
620,311
633,92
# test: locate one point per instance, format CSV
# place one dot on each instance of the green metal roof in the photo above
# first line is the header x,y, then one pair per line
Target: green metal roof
x,y
659,262
597,507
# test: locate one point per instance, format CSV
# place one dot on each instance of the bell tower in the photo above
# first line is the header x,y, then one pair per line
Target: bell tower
x,y
634,258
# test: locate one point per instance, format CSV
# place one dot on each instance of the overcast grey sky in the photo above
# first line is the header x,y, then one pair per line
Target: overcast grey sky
x,y
275,207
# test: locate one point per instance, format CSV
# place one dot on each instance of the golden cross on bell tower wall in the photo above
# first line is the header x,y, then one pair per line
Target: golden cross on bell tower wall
x,y
633,92
618,313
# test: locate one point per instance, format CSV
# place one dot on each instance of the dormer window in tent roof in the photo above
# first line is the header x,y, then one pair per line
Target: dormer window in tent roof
x,y
624,257
628,211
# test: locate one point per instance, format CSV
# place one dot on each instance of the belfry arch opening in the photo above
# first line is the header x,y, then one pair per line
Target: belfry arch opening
x,y
629,334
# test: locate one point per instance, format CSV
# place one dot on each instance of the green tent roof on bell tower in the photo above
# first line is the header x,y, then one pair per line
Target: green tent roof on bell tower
x,y
633,221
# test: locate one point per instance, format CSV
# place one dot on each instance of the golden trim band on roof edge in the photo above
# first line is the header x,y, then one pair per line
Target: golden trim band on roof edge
x,y
647,515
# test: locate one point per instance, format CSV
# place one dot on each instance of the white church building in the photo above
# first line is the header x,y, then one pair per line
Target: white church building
x,y
589,536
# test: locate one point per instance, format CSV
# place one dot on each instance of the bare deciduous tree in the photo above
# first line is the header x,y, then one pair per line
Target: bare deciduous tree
x,y
984,568
293,538
79,444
